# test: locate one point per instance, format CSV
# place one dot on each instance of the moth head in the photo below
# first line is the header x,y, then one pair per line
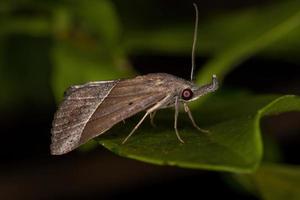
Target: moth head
x,y
193,92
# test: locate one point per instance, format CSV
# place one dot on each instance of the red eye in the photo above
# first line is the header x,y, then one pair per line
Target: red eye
x,y
187,94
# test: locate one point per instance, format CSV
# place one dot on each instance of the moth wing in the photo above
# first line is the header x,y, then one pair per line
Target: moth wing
x,y
90,110
78,106
125,100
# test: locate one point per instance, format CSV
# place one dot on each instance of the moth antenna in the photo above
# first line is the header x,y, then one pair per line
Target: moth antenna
x,y
194,40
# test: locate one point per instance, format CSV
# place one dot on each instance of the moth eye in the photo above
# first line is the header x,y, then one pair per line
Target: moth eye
x,y
187,94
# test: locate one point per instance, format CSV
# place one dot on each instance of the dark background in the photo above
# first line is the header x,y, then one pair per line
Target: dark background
x,y
28,171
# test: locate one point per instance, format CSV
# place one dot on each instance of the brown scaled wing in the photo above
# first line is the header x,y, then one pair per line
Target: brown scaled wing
x,y
94,108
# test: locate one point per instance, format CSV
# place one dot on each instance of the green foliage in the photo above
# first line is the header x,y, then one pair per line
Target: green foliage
x,y
238,51
238,27
272,181
277,182
234,142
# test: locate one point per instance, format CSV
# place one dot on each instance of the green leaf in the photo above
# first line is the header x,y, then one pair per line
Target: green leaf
x,y
277,182
234,143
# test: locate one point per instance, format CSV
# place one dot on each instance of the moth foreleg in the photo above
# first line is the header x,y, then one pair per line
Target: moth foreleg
x,y
152,118
188,111
150,110
175,119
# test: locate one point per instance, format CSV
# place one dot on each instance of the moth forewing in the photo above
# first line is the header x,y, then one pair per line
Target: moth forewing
x,y
126,99
79,103
91,109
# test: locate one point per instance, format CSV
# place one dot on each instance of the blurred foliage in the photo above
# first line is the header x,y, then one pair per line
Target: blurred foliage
x,y
238,27
273,181
269,30
80,41
276,182
88,36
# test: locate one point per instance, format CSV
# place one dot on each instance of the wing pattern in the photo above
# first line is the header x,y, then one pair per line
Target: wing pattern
x,y
74,112
91,109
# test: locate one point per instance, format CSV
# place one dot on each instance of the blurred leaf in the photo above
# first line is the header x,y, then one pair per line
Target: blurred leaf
x,y
277,182
26,17
73,66
37,26
62,21
228,38
272,181
100,17
86,49
230,57
243,26
175,39
219,32
233,145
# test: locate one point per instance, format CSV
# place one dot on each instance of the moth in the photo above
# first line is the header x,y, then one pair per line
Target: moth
x,y
89,110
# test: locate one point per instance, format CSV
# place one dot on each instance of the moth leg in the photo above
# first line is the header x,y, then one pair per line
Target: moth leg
x,y
175,121
188,111
136,127
152,114
150,110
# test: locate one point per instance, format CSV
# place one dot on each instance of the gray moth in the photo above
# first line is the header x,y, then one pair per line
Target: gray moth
x,y
91,109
